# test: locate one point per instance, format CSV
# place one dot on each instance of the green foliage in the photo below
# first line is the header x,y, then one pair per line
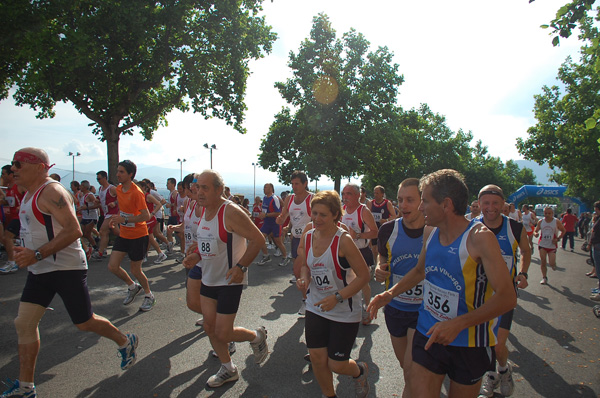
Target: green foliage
x,y
341,96
126,64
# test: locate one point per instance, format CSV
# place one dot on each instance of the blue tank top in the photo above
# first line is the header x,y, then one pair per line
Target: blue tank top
x,y
403,254
455,284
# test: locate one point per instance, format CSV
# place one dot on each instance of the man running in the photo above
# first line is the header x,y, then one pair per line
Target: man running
x,y
475,211
88,208
297,208
461,263
271,209
133,239
12,203
52,254
108,201
400,242
529,223
383,211
510,235
228,242
548,227
362,229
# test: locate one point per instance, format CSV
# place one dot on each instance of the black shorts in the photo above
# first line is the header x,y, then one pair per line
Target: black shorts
x,y
337,337
195,273
173,220
374,242
464,365
295,244
228,297
71,286
135,248
86,221
398,322
506,319
367,255
14,227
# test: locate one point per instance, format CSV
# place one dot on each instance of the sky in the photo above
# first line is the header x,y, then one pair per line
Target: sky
x,y
478,63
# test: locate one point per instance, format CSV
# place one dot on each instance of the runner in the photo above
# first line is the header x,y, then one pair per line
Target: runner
x,y
297,208
332,275
56,263
172,206
461,263
383,211
475,211
548,226
363,228
271,208
88,208
400,243
133,239
363,197
529,223
11,204
514,213
510,235
154,207
228,242
108,201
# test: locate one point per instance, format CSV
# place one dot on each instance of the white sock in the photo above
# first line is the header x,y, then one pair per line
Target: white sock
x,y
149,295
26,385
502,369
229,366
256,339
132,286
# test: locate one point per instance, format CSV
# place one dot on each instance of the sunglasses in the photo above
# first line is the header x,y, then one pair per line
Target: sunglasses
x,y
17,164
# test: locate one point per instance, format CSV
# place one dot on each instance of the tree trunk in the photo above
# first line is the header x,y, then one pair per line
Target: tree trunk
x,y
337,183
112,149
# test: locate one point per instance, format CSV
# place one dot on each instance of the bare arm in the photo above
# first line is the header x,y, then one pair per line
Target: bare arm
x,y
368,219
237,221
392,212
284,211
525,259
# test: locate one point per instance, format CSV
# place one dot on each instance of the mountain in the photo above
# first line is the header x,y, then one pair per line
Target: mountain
x,y
541,172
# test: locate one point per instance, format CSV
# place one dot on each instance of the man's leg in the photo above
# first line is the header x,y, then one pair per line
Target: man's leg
x,y
552,259
543,267
279,243
425,383
458,390
114,266
320,364
572,240
136,270
9,245
192,296
26,323
104,328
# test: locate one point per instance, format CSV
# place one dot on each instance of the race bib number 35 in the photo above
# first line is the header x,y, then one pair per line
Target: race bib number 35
x,y
412,296
440,302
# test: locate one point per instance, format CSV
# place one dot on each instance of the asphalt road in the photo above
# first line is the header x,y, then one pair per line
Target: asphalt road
x,y
554,343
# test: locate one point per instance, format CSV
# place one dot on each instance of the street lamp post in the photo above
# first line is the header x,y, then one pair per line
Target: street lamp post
x,y
254,164
213,146
181,168
74,155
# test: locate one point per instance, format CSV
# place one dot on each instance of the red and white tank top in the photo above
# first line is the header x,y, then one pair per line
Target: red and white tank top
x,y
85,213
299,214
190,223
219,248
354,221
105,199
38,228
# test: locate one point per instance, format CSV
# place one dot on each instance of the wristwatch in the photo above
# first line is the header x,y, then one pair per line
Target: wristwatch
x,y
244,269
38,256
524,274
339,297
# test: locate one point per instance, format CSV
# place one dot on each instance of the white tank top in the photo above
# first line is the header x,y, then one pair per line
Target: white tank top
x,y
190,223
299,214
547,233
87,214
219,248
354,220
38,228
527,221
328,277
514,215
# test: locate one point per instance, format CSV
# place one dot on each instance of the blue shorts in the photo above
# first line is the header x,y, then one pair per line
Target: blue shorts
x,y
195,273
295,244
269,228
398,322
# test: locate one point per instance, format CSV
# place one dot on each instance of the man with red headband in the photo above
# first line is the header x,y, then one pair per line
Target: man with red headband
x,y
11,203
51,251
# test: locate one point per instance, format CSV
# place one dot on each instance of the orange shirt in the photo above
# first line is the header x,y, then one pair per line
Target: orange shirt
x,y
131,203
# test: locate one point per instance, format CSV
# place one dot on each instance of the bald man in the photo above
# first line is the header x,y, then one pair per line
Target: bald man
x,y
52,254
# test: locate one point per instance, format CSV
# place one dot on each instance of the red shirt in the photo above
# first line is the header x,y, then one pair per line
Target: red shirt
x,y
14,198
569,221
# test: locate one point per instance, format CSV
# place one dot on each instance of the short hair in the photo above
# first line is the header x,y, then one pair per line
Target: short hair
x,y
549,207
300,175
271,185
187,180
172,180
410,182
218,181
363,189
7,168
380,187
331,199
102,174
180,184
353,186
55,177
129,167
448,183
85,184
75,184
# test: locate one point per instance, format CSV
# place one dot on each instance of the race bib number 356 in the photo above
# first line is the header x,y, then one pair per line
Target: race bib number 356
x,y
440,302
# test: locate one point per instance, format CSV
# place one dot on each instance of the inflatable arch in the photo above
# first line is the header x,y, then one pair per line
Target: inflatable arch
x,y
543,191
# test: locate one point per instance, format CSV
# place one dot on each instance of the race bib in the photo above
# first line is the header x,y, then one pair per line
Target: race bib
x,y
25,238
255,214
412,296
11,201
509,261
207,246
323,279
377,217
129,224
297,232
440,302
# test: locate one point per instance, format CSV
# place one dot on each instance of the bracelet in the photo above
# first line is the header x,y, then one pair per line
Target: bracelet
x,y
524,274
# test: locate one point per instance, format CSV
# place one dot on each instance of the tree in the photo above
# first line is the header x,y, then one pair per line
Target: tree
x,y
126,64
340,95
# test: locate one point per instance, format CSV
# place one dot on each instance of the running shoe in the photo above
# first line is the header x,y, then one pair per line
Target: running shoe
x,y
131,293
507,384
145,259
284,262
170,247
16,391
147,304
596,311
293,280
232,350
265,259
595,290
361,383
302,309
223,376
491,381
97,256
270,246
366,318
261,349
544,281
277,253
200,322
9,268
161,257
128,355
